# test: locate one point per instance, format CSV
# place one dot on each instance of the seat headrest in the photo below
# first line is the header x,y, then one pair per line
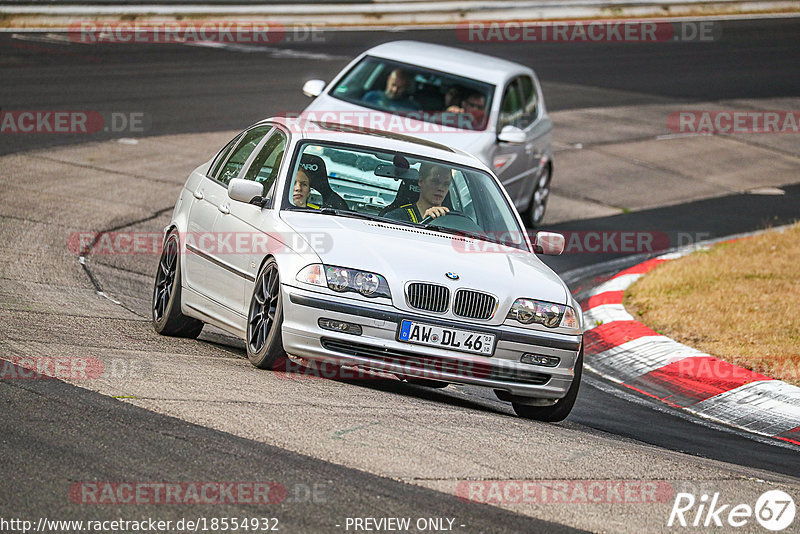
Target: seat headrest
x,y
314,167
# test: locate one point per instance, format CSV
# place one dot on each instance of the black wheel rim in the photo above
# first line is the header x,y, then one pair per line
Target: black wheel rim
x,y
165,279
540,196
263,308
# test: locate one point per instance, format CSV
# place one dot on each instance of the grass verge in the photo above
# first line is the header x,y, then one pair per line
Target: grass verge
x,y
738,301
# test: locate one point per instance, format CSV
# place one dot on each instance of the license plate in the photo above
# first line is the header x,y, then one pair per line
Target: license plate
x,y
446,338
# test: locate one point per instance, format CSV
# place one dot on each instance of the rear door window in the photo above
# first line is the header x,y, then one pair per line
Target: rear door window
x,y
247,143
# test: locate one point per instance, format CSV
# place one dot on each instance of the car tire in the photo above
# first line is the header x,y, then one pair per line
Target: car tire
x,y
534,215
168,320
265,319
561,409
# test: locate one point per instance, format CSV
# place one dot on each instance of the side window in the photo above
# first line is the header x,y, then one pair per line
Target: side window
x,y
239,155
529,102
264,168
362,78
220,158
511,107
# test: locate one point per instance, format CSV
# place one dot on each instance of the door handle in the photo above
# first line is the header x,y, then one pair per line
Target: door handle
x,y
224,209
198,194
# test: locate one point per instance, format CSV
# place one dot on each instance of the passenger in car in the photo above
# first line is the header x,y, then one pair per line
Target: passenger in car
x,y
453,96
396,96
473,110
302,190
434,184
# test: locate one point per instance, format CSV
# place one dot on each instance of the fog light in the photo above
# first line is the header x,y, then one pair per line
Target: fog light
x,y
339,326
538,359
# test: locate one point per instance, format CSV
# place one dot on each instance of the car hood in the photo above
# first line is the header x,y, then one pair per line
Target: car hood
x,y
405,253
329,109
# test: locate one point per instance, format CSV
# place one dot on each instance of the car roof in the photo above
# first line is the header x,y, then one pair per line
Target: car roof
x,y
449,59
383,140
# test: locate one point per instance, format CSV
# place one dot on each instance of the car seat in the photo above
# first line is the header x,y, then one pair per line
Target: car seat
x,y
407,193
314,167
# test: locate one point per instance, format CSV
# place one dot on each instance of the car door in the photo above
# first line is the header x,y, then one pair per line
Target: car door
x,y
243,224
204,246
538,129
511,161
202,213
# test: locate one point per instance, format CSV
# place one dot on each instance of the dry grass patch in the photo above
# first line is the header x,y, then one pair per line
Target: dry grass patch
x,y
739,302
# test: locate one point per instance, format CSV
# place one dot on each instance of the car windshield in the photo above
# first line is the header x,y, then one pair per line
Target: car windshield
x,y
358,181
417,93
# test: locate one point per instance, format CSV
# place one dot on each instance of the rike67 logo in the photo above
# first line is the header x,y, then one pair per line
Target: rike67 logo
x,y
774,510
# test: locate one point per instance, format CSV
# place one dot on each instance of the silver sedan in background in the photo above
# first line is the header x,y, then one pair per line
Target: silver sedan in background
x,y
488,107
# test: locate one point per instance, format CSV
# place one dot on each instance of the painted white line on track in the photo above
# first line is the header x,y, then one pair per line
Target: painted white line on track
x,y
275,52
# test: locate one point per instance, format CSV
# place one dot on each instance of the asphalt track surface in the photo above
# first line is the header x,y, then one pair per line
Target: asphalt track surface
x,y
184,89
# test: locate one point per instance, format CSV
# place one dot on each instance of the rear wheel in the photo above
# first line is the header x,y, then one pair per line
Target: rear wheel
x,y
534,215
168,320
561,409
264,320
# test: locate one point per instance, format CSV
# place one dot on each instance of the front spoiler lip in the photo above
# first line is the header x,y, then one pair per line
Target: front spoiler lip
x,y
572,343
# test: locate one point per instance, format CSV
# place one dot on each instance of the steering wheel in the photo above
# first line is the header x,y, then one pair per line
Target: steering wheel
x,y
459,220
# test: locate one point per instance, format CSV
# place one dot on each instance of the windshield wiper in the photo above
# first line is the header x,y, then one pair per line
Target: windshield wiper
x,y
345,213
358,215
333,211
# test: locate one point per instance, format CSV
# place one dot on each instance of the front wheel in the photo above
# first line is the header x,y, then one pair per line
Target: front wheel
x,y
265,319
534,215
561,409
168,320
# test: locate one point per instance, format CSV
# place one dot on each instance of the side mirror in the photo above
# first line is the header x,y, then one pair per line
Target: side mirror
x,y
511,134
548,243
245,190
313,88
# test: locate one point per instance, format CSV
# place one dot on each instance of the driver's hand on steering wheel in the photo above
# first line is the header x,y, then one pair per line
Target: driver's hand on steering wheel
x,y
435,211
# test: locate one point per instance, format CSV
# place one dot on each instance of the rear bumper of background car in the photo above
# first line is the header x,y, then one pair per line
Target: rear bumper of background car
x,y
377,346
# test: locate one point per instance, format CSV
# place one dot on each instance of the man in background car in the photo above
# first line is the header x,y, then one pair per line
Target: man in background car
x,y
396,94
473,110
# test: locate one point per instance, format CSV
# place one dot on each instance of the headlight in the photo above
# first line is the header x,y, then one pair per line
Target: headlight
x,y
551,315
363,282
341,280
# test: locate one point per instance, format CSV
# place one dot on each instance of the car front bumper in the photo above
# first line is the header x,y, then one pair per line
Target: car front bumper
x,y
377,346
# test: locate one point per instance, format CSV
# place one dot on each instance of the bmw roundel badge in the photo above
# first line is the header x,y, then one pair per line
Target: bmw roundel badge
x,y
451,276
